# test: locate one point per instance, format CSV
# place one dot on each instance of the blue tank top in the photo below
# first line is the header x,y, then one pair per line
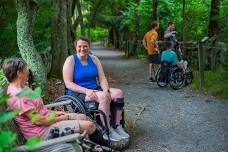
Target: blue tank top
x,y
84,75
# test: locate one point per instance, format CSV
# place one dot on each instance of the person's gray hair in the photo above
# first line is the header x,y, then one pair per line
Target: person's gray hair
x,y
11,66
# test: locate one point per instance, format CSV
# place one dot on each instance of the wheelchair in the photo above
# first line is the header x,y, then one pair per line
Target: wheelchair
x,y
90,108
169,74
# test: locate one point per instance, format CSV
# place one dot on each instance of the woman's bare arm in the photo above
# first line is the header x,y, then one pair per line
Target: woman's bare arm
x,y
101,76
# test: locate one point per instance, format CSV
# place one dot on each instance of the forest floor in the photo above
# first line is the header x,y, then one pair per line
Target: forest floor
x,y
162,119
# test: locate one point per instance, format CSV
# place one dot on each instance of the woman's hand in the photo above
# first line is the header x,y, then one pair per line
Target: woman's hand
x,y
63,116
59,113
91,94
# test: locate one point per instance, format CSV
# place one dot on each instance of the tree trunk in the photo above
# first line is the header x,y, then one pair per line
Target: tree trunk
x,y
213,29
155,10
80,17
184,27
136,32
59,36
26,11
70,35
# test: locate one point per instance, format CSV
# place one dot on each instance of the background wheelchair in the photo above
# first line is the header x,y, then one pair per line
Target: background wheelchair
x,y
90,108
169,74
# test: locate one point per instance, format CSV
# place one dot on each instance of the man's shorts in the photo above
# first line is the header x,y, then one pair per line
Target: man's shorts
x,y
155,59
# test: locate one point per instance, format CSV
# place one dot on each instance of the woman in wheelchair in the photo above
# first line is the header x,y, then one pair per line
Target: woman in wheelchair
x,y
81,72
16,72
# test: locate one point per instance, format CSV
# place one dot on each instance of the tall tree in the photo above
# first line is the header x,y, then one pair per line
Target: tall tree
x,y
213,28
78,4
59,36
26,11
70,35
136,29
155,10
184,25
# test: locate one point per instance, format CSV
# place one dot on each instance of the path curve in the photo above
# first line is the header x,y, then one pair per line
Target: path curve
x,y
173,121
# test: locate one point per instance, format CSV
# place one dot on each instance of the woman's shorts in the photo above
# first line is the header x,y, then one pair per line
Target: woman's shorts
x,y
155,58
72,123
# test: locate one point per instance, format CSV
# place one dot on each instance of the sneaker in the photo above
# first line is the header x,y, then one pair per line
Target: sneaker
x,y
114,136
121,132
151,80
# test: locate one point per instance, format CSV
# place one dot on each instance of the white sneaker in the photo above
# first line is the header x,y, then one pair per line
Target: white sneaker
x,y
121,132
112,135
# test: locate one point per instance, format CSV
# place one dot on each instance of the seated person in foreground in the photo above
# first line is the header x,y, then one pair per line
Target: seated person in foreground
x,y
170,56
16,72
80,73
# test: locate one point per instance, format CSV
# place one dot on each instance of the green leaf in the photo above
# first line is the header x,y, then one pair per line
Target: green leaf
x,y
30,94
35,118
4,98
7,138
51,117
37,92
4,117
32,142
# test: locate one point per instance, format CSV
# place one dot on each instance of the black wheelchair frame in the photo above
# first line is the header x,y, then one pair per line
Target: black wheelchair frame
x,y
173,75
90,108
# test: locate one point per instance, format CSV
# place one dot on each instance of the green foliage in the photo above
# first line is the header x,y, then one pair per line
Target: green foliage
x,y
3,81
7,138
7,116
32,142
216,83
30,94
96,34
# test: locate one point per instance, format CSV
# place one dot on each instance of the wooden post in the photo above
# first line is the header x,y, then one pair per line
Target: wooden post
x,y
201,61
128,45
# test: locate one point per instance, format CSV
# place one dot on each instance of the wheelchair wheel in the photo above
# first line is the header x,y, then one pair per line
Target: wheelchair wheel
x,y
76,104
176,78
188,76
158,78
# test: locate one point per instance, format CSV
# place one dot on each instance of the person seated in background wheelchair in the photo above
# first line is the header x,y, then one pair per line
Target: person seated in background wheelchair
x,y
170,56
16,72
81,71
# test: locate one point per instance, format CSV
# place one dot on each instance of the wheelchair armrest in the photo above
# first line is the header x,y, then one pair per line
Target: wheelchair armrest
x,y
52,105
91,105
42,144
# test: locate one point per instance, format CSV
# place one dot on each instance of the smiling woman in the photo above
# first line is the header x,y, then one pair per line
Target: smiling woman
x,y
80,73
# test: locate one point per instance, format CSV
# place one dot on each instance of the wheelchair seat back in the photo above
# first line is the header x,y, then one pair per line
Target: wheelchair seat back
x,y
164,72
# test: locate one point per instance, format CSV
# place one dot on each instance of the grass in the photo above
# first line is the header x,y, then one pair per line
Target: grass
x,y
216,83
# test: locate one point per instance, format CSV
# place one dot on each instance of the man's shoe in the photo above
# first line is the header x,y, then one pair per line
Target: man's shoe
x,y
121,132
113,136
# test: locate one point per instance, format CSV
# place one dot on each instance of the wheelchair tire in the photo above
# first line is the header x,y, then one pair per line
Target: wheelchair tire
x,y
188,76
160,84
76,105
176,78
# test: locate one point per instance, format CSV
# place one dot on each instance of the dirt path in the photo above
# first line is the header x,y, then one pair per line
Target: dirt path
x,y
172,121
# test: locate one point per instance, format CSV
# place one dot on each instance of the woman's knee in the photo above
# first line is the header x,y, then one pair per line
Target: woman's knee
x,y
117,93
103,99
89,126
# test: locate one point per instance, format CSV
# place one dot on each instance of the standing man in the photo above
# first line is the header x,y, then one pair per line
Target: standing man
x,y
170,35
151,45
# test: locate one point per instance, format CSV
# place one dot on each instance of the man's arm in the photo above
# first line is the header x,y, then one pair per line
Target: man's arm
x,y
168,34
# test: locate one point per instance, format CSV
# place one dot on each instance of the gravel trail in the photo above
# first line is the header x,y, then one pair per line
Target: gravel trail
x,y
172,121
